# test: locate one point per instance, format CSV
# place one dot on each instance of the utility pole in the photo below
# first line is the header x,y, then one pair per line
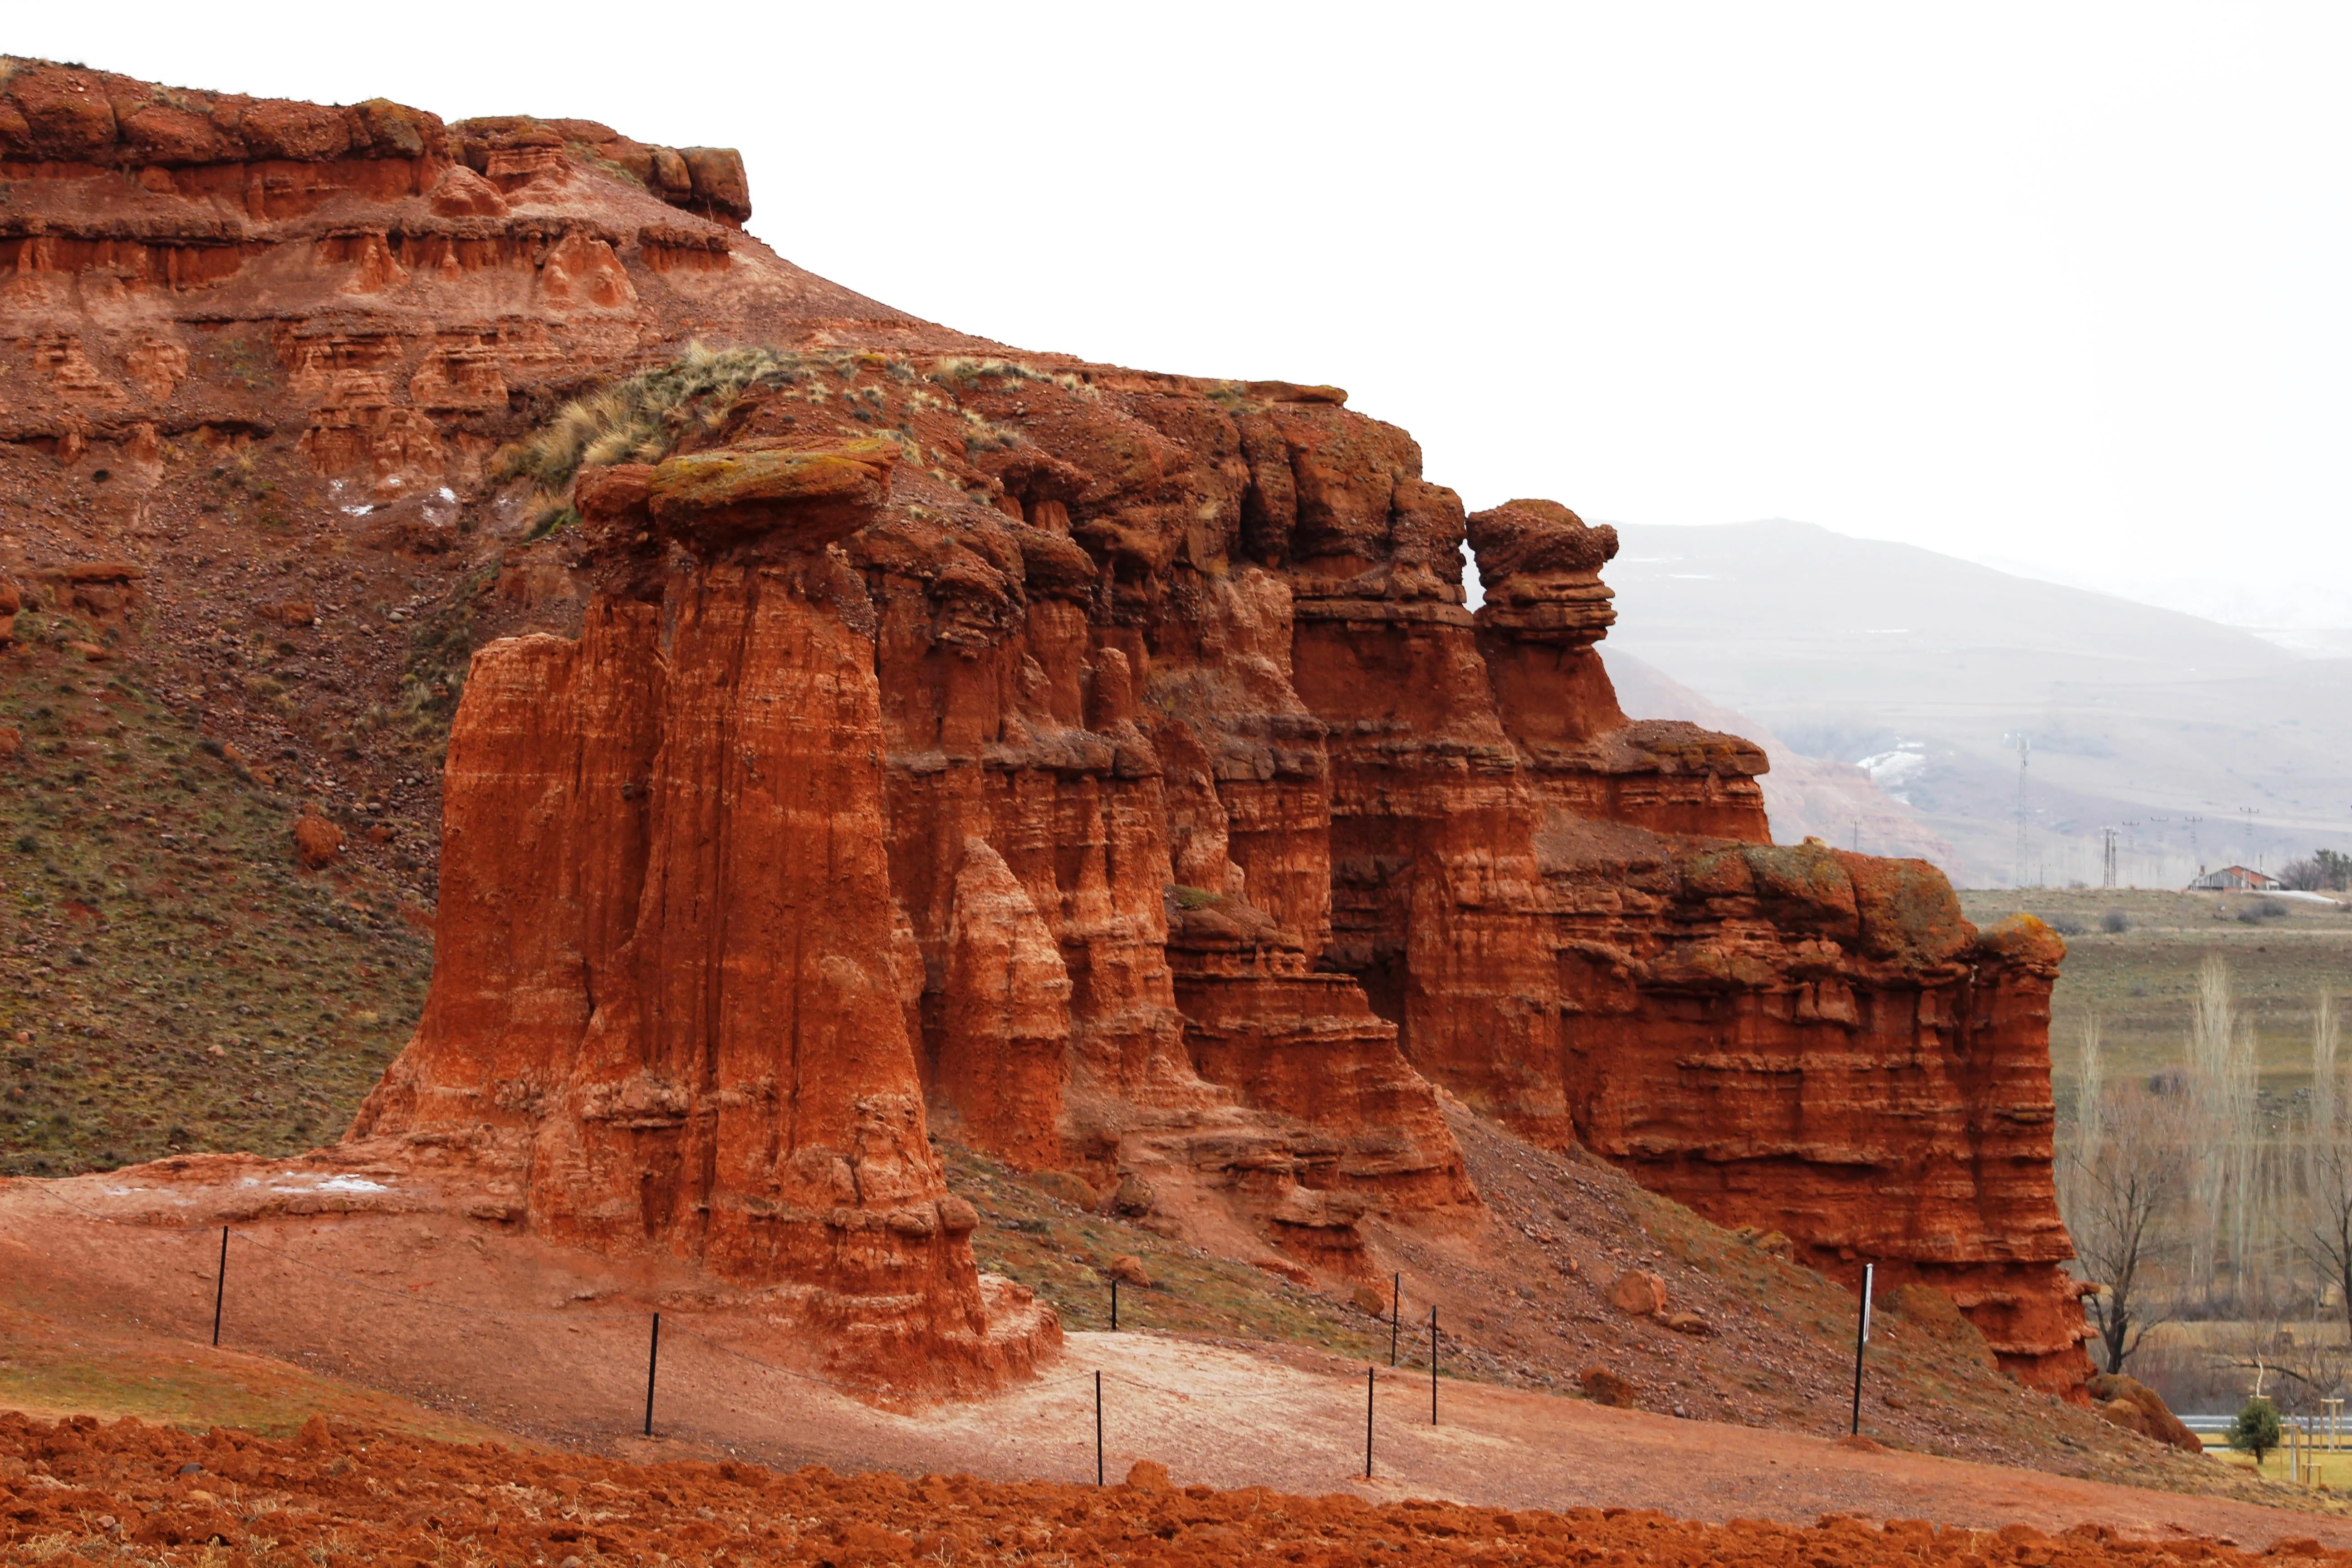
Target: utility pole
x,y
2024,755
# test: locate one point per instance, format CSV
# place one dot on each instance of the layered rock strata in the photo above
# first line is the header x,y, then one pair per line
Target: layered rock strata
x,y
365,282
1109,769
1400,844
665,986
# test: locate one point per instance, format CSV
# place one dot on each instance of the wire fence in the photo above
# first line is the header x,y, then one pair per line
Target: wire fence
x,y
293,1326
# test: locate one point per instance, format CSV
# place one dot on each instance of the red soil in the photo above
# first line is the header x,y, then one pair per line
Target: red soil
x,y
82,1491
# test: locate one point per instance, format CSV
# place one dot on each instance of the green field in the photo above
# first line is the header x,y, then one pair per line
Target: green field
x,y
2142,981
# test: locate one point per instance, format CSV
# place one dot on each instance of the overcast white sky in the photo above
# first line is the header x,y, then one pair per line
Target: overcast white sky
x,y
2061,285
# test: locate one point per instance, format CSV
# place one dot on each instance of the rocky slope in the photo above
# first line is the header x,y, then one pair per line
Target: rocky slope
x,y
1100,767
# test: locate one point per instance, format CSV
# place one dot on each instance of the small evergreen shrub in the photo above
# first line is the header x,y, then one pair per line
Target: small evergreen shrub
x,y
2256,1429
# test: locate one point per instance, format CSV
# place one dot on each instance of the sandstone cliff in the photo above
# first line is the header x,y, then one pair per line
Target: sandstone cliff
x,y
1103,767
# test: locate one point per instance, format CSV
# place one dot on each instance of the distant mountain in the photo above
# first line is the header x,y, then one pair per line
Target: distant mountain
x,y
1807,797
2309,615
2196,741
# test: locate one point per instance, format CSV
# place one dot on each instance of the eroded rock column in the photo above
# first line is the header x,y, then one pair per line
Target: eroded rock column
x,y
666,990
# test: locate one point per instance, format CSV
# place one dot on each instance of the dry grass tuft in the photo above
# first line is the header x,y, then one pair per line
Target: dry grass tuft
x,y
966,372
642,419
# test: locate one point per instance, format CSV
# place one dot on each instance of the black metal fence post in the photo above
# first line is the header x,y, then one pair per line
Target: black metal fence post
x,y
1367,1421
1432,1365
1098,1451
1861,1338
1114,1303
220,1285
653,1362
1396,1314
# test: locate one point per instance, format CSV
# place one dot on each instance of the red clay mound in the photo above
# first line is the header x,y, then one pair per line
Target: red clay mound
x,y
80,1490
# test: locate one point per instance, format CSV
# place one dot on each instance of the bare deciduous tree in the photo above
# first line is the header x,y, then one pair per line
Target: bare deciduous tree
x,y
2323,871
2221,1083
2294,1364
2125,1197
2324,1238
2088,1134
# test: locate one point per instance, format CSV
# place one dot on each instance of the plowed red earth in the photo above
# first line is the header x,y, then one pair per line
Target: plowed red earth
x,y
85,1492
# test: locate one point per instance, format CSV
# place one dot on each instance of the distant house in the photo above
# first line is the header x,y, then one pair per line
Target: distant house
x,y
2232,880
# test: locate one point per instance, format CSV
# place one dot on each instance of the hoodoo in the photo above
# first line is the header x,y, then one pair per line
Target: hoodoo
x,y
1105,769
666,988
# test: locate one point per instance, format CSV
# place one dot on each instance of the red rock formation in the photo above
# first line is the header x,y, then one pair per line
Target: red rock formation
x,y
1818,1043
1151,924
1004,1041
375,283
1109,763
513,150
665,985
1546,607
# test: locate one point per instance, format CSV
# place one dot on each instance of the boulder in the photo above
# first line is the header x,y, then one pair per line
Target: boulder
x,y
1064,1186
2135,1406
720,187
1605,1387
2123,1413
1771,1243
1638,1293
289,613
318,842
806,497
1133,1197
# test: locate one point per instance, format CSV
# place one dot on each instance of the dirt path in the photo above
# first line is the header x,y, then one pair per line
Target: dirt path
x,y
1230,1417
546,1343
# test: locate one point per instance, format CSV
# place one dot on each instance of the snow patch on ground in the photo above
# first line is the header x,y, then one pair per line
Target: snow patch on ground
x,y
1896,770
342,1181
